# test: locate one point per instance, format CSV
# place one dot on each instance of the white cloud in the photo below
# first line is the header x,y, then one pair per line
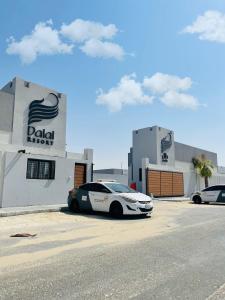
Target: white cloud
x,y
82,30
42,40
127,92
210,26
97,48
179,100
168,89
94,40
162,83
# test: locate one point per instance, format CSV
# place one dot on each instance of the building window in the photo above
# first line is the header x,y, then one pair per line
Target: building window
x,y
40,169
140,174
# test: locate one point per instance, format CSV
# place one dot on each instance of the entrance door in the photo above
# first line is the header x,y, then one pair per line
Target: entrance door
x,y
80,174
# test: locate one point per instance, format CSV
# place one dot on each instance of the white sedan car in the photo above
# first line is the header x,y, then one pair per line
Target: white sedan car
x,y
113,197
215,193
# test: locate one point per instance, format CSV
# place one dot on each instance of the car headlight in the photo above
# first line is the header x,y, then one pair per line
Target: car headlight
x,y
128,199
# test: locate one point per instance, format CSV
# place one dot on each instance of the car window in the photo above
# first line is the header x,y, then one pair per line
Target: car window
x,y
219,187
208,189
86,187
97,187
120,188
214,188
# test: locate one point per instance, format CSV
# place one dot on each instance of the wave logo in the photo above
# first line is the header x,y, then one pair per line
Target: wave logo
x,y
39,111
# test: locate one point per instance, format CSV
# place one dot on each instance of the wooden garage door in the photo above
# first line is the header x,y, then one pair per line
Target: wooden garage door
x,y
178,184
79,175
165,184
153,182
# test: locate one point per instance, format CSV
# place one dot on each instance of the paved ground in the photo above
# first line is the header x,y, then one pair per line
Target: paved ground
x,y
179,253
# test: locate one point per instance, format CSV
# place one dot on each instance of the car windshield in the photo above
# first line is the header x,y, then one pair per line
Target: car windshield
x,y
120,188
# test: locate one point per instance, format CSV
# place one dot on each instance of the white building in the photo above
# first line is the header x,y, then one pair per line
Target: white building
x,y
34,165
120,175
159,165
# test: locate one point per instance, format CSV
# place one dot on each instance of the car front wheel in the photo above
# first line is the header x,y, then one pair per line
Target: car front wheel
x,y
197,200
116,210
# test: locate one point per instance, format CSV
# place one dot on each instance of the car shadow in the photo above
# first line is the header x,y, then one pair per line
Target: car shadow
x,y
209,204
103,215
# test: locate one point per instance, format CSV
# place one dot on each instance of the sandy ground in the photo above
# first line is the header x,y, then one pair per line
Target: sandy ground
x,y
64,231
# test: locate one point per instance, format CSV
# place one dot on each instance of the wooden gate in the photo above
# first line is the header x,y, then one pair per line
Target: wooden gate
x,y
165,184
80,172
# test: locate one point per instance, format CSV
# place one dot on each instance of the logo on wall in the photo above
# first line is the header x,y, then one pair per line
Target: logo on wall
x,y
166,143
37,113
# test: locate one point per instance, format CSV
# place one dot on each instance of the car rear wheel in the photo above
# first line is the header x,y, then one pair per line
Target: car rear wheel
x,y
116,210
197,200
74,206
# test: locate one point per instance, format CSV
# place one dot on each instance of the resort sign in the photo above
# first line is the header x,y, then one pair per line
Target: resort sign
x,y
37,113
166,143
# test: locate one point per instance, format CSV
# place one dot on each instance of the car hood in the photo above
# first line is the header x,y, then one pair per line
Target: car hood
x,y
136,196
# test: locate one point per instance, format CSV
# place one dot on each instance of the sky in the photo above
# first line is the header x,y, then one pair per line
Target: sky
x,y
124,65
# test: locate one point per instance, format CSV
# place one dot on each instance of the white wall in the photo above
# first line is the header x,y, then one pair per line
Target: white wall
x,y
23,97
16,190
19,191
5,137
31,150
146,143
146,153
6,111
193,182
118,177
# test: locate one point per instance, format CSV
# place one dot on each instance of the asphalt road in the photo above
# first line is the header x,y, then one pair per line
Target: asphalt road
x,y
187,261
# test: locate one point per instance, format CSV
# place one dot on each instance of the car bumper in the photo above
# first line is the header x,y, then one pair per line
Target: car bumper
x,y
137,209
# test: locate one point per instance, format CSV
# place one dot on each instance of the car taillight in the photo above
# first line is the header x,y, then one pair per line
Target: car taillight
x,y
133,186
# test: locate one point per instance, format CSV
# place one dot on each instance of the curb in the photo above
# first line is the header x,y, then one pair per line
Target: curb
x,y
9,212
172,200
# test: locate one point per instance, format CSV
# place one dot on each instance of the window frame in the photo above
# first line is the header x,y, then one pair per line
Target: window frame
x,y
140,174
51,171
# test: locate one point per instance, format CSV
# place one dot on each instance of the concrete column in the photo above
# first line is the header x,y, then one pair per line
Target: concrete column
x,y
145,163
88,154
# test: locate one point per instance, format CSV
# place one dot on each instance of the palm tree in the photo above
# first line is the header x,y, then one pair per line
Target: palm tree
x,y
204,167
